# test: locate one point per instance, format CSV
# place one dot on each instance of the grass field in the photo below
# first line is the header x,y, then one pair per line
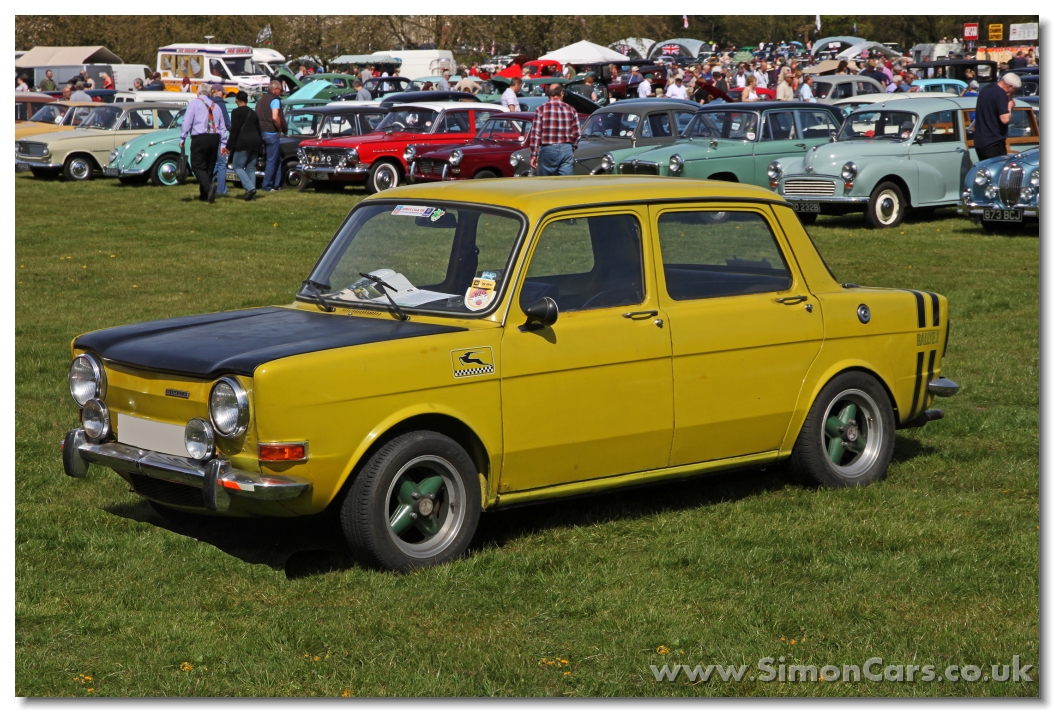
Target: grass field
x,y
936,565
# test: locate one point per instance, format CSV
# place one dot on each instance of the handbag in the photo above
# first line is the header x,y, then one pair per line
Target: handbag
x,y
182,168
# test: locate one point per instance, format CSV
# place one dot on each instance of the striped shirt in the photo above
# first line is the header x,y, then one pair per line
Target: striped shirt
x,y
555,122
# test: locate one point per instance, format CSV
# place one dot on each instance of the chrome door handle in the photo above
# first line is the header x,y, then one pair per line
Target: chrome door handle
x,y
634,315
796,299
960,150
800,145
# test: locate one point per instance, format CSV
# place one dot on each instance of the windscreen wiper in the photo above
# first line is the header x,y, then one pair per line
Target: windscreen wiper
x,y
381,284
316,294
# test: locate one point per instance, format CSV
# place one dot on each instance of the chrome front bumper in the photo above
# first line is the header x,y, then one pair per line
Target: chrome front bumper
x,y
217,479
117,172
357,170
34,164
971,208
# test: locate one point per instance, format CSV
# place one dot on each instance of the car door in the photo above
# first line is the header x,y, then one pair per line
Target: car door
x,y
455,126
779,138
941,157
745,328
591,395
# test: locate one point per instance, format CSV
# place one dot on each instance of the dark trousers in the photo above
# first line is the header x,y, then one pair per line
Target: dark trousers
x,y
203,151
996,149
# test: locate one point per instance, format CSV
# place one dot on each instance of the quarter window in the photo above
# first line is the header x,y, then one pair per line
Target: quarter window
x,y
841,91
587,263
778,126
453,122
816,123
707,253
480,118
656,126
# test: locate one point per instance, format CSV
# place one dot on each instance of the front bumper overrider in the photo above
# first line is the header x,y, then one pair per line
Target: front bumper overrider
x,y
216,478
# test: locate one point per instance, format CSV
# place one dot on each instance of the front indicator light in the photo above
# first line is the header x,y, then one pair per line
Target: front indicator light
x,y
199,439
283,452
96,419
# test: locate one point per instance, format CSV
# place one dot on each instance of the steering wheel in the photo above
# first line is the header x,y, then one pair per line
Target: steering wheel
x,y
611,297
399,124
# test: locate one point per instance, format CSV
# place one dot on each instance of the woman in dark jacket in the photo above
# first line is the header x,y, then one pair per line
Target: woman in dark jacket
x,y
245,142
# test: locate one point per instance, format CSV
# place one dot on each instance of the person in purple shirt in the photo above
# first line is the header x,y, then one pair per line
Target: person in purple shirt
x,y
204,122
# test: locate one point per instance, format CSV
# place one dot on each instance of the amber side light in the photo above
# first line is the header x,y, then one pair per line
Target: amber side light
x,y
283,452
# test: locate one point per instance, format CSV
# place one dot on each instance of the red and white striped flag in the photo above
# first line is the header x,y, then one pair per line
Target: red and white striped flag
x,y
685,17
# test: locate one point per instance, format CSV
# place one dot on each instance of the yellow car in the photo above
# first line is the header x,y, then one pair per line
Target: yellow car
x,y
56,116
467,346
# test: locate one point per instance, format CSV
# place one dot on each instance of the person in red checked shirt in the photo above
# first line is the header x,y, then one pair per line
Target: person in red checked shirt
x,y
555,136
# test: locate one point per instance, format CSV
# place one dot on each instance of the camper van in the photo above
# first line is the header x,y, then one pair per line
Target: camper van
x,y
267,59
229,65
422,62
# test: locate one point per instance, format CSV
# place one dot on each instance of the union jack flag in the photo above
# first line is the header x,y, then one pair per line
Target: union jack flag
x,y
671,50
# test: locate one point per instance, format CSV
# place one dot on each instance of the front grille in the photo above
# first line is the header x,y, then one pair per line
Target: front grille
x,y
168,492
1010,184
33,149
808,186
428,167
324,156
640,168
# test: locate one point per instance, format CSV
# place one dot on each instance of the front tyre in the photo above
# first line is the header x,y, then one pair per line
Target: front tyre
x,y
416,503
847,439
383,175
887,206
292,176
78,168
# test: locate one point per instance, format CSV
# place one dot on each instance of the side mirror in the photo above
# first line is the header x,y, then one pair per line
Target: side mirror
x,y
920,137
541,314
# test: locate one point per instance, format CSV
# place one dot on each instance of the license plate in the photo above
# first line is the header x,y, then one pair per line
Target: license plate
x,y
807,207
321,176
151,435
231,175
111,171
1003,215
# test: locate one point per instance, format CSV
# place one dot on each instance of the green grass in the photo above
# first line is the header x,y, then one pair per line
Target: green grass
x,y
937,564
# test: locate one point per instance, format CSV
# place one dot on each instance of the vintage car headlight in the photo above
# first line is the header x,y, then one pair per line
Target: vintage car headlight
x,y
409,154
301,154
113,154
991,192
1027,193
982,176
228,408
96,419
140,156
1034,180
199,439
607,162
352,155
775,170
87,379
676,165
455,157
47,151
849,171
514,160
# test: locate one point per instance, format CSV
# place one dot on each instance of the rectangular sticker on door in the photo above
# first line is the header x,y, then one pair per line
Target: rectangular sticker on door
x,y
477,361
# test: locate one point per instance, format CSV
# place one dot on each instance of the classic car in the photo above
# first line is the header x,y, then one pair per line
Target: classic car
x,y
28,103
77,154
629,124
949,86
469,346
981,70
414,97
848,106
56,116
829,88
1002,193
620,88
892,157
322,89
379,159
733,143
486,156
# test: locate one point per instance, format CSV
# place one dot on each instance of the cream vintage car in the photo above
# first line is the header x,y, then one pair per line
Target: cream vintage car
x,y
79,153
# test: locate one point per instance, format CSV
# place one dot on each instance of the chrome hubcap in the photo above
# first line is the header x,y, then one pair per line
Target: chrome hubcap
x,y
888,207
79,168
294,177
167,171
852,433
386,178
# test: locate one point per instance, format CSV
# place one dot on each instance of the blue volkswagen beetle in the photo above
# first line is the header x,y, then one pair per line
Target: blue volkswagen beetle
x,y
1002,193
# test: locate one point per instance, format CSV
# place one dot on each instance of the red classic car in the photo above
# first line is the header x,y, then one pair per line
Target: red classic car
x,y
736,94
485,156
379,159
620,88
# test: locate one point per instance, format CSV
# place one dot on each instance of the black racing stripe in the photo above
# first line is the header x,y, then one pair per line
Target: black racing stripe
x,y
918,386
936,308
920,307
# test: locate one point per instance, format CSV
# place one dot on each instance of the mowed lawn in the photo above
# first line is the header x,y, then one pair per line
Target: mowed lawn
x,y
936,565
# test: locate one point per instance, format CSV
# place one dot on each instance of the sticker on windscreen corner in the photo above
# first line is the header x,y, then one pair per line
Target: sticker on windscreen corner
x,y
414,211
436,214
480,294
477,361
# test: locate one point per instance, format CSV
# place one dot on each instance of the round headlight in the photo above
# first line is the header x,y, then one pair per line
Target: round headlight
x,y
1034,180
514,160
140,156
991,192
676,164
301,154
87,379
352,155
410,153
47,151
198,439
113,155
1026,193
96,419
455,157
607,162
775,170
849,171
228,408
982,176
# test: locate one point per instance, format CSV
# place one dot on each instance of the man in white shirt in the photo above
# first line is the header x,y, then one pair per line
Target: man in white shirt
x,y
762,75
741,76
644,88
678,90
805,92
509,100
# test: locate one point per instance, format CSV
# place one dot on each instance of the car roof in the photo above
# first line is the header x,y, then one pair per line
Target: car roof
x,y
343,107
762,105
514,115
143,105
33,96
443,105
647,104
952,63
936,103
537,195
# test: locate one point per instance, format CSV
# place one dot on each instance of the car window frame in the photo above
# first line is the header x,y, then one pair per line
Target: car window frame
x,y
967,121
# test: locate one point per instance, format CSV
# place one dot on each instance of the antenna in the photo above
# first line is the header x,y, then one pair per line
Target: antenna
x,y
209,38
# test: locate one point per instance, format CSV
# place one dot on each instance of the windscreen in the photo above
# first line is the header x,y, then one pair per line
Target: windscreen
x,y
49,114
242,67
411,119
103,117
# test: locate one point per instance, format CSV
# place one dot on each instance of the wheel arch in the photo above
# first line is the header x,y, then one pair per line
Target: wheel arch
x,y
492,169
82,154
727,176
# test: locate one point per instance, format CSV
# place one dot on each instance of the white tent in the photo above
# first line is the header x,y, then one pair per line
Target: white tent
x,y
55,56
640,45
585,52
871,48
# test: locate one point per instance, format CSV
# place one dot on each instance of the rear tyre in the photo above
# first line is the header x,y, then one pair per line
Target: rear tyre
x,y
383,175
483,175
78,168
163,174
887,206
847,439
416,503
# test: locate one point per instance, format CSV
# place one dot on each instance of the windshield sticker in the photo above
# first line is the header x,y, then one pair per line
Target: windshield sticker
x,y
480,294
436,214
477,361
416,211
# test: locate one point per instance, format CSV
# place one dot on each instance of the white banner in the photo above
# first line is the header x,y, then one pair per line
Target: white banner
x,y
1024,31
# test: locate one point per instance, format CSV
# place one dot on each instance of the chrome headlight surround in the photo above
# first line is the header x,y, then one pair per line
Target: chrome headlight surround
x,y
409,154
47,151
228,407
113,154
139,157
981,177
301,154
87,379
514,160
775,170
455,157
96,419
849,171
991,192
1034,179
199,439
1027,193
352,155
607,162
676,164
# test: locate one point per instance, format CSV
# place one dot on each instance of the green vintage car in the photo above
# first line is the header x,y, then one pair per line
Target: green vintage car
x,y
732,142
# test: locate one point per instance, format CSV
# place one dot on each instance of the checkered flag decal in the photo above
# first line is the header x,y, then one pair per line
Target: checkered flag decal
x,y
481,371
